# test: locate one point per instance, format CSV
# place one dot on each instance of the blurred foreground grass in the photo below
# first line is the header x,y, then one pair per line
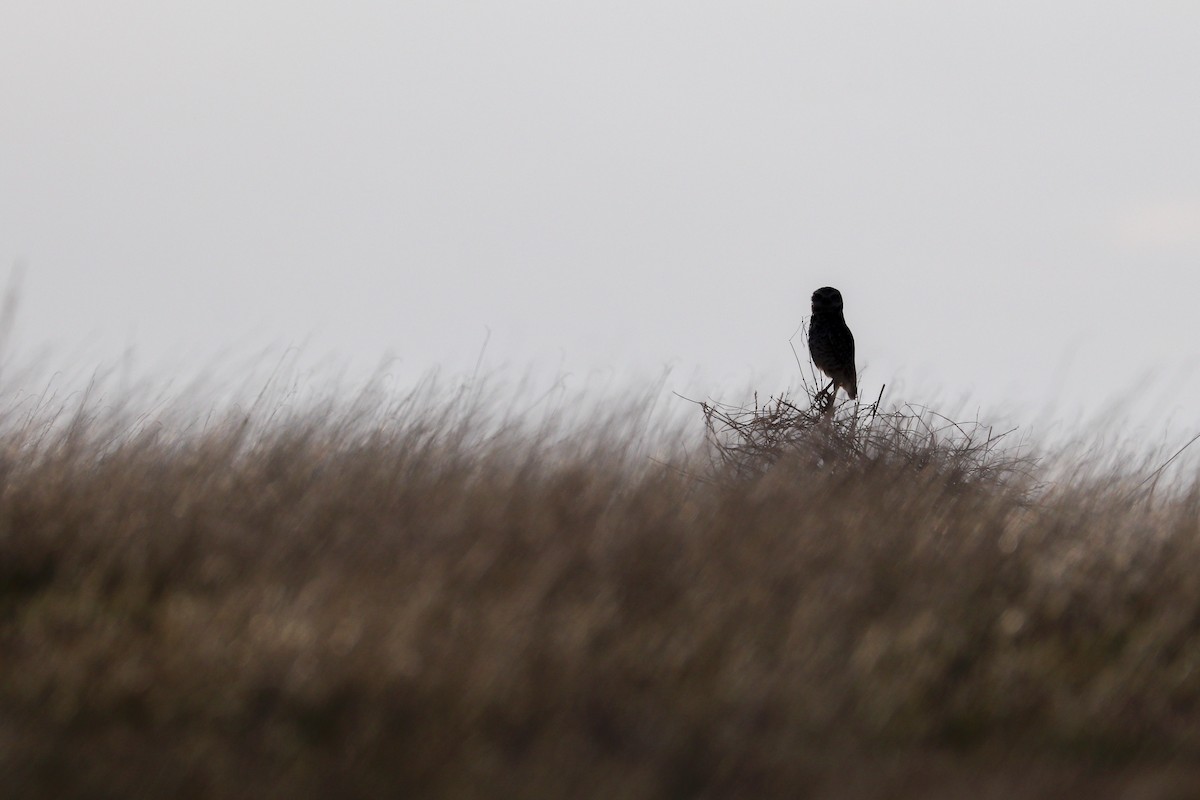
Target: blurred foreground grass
x,y
399,600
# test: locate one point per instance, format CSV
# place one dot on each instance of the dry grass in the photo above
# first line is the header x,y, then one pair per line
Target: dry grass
x,y
414,599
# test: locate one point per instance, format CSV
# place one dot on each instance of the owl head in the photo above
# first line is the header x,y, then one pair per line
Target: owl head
x,y
826,298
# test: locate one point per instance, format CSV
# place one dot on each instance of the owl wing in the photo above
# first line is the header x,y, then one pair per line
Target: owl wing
x,y
842,344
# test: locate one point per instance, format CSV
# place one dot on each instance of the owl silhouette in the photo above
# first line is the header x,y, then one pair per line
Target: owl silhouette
x,y
831,344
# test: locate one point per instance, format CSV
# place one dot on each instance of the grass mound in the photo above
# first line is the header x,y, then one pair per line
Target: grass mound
x,y
420,598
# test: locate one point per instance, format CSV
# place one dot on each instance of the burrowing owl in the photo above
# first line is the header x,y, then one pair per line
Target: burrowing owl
x,y
831,343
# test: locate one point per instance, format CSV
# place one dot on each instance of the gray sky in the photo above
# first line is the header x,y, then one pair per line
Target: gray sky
x,y
1007,194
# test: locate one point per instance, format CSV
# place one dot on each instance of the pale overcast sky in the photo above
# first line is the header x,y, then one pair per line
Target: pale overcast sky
x,y
1007,194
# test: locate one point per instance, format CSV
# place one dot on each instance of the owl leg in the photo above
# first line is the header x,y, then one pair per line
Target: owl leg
x,y
827,394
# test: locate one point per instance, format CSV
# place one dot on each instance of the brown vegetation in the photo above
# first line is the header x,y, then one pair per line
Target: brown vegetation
x,y
409,600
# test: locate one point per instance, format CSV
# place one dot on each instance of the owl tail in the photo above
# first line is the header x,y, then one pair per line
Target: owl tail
x,y
852,387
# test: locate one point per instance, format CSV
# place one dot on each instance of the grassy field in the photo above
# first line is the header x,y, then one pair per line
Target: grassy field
x,y
413,598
